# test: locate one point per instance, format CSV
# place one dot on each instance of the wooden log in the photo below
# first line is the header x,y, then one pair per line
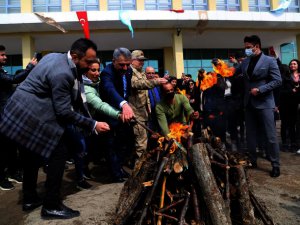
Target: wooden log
x,y
162,199
205,178
267,220
184,209
132,191
196,207
245,206
151,192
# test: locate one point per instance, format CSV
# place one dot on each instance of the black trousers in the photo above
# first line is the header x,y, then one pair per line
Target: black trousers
x,y
55,171
9,158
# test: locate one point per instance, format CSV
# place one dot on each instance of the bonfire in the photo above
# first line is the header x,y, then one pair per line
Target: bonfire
x,y
189,180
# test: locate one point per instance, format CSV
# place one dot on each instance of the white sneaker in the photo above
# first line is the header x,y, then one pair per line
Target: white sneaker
x,y
298,152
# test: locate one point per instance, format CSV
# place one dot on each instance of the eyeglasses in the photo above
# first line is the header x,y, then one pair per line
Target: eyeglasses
x,y
94,70
150,73
124,64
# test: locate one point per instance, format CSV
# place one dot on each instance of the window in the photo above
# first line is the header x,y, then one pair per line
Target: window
x,y
158,4
13,63
294,6
194,59
194,4
121,5
46,5
228,5
85,5
259,5
10,6
288,52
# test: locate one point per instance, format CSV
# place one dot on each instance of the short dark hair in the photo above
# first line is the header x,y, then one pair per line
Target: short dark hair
x,y
201,70
80,46
172,78
253,39
2,48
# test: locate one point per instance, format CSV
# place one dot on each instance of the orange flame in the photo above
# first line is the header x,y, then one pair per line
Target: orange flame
x,y
208,81
177,130
223,69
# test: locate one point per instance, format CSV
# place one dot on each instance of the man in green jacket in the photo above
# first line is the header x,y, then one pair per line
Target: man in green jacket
x,y
173,108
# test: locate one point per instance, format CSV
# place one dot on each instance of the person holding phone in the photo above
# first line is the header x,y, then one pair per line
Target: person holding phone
x,y
8,155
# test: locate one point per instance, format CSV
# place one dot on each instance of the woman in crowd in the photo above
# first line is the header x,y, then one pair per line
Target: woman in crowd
x,y
100,110
289,99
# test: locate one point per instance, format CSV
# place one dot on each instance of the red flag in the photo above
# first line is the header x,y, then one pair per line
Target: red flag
x,y
177,10
83,20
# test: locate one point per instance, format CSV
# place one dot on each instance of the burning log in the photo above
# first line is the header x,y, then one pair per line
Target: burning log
x,y
181,183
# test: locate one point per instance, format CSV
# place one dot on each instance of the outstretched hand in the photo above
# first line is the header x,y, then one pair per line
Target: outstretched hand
x,y
102,127
194,115
127,113
33,61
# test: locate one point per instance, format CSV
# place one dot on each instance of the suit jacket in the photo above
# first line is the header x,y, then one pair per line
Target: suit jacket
x,y
38,112
111,86
266,77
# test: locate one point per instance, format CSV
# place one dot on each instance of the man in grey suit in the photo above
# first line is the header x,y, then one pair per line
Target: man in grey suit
x,y
261,77
36,117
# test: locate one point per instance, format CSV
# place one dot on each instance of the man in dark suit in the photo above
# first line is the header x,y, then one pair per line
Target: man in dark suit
x,y
261,77
36,117
115,88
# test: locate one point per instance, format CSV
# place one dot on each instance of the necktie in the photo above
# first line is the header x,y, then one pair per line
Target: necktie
x,y
124,85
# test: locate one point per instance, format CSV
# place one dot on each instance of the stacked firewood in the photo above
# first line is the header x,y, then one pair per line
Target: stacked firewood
x,y
184,180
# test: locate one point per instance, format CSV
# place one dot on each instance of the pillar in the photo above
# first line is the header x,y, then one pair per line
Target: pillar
x,y
28,48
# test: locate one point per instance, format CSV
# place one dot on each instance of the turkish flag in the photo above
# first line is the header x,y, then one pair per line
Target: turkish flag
x,y
82,17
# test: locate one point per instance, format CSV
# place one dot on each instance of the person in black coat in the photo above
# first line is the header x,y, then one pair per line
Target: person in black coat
x,y
289,100
10,160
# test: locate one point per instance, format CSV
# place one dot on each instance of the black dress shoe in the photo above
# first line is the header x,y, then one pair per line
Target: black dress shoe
x,y
27,206
62,212
275,172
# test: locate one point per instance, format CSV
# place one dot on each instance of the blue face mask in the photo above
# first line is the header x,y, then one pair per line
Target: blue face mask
x,y
248,52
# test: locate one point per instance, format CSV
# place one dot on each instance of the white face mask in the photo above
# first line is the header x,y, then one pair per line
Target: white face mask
x,y
249,52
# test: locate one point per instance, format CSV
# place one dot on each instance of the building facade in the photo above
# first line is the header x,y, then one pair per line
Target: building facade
x,y
178,36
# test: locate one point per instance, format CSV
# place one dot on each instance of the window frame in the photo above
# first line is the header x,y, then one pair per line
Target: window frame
x,y
8,6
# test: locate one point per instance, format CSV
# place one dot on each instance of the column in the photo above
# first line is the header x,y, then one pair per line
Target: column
x,y
178,53
65,6
140,5
28,48
26,6
212,5
169,60
274,4
103,5
176,4
244,5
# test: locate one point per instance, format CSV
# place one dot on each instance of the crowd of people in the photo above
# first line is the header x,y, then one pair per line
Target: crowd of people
x,y
65,107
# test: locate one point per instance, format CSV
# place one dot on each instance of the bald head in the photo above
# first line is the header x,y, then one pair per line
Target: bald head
x,y
150,72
